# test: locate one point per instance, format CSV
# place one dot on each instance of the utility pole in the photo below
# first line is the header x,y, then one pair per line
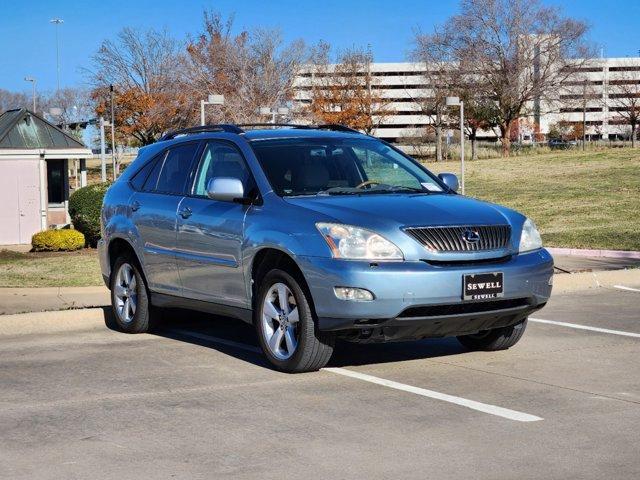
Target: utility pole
x,y
455,101
57,22
113,136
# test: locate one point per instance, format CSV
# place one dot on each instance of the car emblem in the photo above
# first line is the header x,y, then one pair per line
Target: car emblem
x,y
471,236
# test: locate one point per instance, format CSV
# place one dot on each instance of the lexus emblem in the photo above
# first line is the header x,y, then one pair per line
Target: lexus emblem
x,y
471,236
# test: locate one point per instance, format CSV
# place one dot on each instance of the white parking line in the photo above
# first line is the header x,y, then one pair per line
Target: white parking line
x,y
472,404
585,327
463,402
622,287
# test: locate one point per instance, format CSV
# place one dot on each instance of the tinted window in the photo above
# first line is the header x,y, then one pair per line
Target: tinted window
x,y
139,178
175,169
220,160
152,178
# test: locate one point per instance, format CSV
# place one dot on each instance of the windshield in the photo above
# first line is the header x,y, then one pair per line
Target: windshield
x,y
339,166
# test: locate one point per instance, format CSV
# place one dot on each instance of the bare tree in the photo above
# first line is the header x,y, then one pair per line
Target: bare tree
x,y
523,52
10,100
624,100
251,69
144,67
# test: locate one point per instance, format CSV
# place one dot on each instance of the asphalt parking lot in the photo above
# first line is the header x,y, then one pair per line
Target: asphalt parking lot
x,y
196,401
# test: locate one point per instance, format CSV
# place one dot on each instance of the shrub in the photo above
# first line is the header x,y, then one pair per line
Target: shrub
x,y
84,208
57,240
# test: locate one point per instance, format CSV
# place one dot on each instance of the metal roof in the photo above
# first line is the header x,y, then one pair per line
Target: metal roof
x,y
23,129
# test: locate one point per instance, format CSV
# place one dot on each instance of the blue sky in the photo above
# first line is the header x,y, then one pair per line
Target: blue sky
x,y
27,40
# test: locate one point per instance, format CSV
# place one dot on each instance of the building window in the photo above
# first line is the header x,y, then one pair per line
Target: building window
x,y
56,181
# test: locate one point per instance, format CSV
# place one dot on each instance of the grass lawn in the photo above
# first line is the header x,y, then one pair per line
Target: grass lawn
x,y
580,200
54,269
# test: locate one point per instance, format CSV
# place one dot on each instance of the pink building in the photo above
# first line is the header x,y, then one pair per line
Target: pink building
x,y
34,175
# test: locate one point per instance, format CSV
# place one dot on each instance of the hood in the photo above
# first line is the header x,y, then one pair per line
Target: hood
x,y
370,210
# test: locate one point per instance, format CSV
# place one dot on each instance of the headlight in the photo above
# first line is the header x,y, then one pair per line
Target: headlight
x,y
530,238
346,241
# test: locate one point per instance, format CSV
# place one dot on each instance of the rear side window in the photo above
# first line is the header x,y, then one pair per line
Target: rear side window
x,y
152,179
176,167
140,178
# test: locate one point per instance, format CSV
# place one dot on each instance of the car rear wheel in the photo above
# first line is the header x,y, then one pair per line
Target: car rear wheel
x,y
496,339
286,328
129,298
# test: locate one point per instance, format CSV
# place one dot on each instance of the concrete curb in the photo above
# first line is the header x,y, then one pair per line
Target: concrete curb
x,y
574,282
52,322
19,300
577,252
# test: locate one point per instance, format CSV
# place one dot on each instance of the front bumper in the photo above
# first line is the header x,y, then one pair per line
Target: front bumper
x,y
401,288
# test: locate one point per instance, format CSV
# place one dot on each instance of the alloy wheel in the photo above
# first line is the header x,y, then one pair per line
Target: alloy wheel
x,y
280,319
126,293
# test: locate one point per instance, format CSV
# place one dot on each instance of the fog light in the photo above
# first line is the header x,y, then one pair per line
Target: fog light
x,y
354,294
551,281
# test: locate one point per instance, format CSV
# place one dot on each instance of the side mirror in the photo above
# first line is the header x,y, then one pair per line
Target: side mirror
x,y
225,189
450,180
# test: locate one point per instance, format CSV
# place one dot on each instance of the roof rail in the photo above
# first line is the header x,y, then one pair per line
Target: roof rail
x,y
223,127
288,125
336,127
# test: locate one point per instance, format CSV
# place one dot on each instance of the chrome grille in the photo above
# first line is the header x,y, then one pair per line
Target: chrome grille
x,y
452,239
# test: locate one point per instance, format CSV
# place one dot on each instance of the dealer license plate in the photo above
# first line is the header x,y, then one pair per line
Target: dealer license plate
x,y
481,286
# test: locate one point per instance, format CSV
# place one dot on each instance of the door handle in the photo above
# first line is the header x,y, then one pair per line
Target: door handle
x,y
186,212
135,205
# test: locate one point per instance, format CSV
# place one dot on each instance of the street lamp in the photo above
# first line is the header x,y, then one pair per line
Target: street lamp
x,y
57,22
211,100
452,102
33,86
282,111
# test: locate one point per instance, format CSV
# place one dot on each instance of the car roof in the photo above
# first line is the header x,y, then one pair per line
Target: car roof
x,y
276,133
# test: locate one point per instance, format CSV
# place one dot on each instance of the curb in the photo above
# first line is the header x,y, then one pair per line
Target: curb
x,y
574,282
52,322
578,252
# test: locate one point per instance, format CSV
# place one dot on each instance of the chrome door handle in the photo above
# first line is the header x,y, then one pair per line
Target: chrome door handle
x,y
135,206
186,212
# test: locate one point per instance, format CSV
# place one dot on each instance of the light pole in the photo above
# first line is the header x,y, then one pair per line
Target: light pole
x,y
33,86
453,101
211,100
113,136
57,22
283,111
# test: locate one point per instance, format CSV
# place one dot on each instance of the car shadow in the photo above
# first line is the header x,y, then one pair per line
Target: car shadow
x,y
238,339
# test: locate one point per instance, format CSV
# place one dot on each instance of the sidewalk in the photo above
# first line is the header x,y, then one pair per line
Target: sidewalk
x,y
573,264
21,300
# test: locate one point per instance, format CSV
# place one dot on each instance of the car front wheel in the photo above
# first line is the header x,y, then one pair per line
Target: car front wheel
x,y
286,328
496,339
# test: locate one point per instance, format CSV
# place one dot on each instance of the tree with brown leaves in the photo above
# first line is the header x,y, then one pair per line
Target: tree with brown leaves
x,y
345,92
144,68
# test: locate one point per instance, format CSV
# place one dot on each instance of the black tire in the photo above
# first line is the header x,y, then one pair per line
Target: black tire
x,y
141,319
314,348
496,339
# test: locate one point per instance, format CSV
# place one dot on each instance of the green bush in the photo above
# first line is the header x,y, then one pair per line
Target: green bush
x,y
57,240
84,208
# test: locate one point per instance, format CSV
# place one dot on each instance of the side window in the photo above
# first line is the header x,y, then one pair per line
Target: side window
x,y
220,160
140,178
152,179
175,169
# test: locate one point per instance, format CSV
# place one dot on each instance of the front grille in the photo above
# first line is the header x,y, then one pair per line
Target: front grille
x,y
459,238
460,308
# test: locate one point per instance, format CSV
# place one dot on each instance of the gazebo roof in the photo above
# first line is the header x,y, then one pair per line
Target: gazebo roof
x,y
23,129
